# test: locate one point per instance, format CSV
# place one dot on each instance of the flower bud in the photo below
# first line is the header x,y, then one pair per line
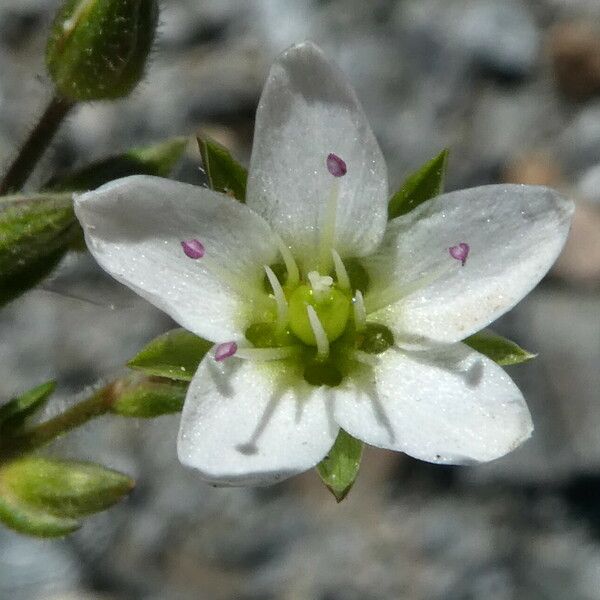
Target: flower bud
x,y
98,48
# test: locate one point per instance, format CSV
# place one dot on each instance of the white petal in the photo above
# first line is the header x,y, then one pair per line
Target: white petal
x,y
515,233
134,228
253,423
307,111
451,406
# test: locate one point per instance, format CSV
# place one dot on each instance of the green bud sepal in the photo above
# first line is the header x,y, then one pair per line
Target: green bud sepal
x,y
98,48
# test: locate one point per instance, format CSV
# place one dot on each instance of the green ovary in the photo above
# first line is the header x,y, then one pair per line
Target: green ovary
x,y
332,308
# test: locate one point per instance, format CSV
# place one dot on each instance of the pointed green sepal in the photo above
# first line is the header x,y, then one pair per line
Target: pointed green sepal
x,y
224,173
35,232
64,489
424,184
23,518
501,350
149,398
98,48
339,468
175,354
158,159
14,413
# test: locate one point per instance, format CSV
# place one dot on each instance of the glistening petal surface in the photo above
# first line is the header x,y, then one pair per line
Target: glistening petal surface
x,y
452,406
134,228
514,233
251,423
308,111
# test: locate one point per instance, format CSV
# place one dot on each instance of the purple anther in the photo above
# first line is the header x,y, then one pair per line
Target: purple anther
x,y
460,252
336,166
225,350
193,248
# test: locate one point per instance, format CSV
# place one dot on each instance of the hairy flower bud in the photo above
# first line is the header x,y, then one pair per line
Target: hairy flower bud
x,y
98,48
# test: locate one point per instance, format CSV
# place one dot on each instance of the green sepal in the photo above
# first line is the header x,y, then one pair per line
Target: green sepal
x,y
500,349
157,159
148,398
98,48
224,173
35,232
175,355
25,519
14,413
424,184
339,469
64,489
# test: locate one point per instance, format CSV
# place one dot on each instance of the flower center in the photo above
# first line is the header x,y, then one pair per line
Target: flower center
x,y
331,306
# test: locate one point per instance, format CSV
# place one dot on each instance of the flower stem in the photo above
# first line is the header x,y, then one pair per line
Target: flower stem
x,y
98,404
38,141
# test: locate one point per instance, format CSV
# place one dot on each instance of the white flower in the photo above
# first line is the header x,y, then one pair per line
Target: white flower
x,y
362,328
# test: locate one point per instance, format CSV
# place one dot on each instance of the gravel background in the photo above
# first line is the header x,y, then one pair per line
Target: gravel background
x,y
513,88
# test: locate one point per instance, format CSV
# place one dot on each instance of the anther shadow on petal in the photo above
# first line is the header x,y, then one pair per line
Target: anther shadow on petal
x,y
220,375
330,409
251,446
453,358
365,385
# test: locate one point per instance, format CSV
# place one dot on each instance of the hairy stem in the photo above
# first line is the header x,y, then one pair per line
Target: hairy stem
x,y
38,141
98,404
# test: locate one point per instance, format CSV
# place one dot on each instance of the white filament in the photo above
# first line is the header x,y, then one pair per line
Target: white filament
x,y
364,358
280,299
360,313
290,264
340,271
328,229
261,354
318,332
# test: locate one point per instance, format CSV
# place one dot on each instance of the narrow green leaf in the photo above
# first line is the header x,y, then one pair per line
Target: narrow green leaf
x,y
25,519
150,399
35,232
158,159
224,173
339,468
499,349
63,488
14,413
175,354
424,184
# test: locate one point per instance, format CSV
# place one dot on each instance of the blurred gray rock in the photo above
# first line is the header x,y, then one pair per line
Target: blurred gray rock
x,y
473,76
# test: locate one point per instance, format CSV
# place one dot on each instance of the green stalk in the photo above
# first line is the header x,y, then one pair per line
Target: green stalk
x,y
34,147
98,404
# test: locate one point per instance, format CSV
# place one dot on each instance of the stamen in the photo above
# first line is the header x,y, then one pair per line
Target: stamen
x,y
335,165
260,354
360,313
327,232
225,350
318,332
290,264
193,248
280,299
340,271
320,284
460,252
364,358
